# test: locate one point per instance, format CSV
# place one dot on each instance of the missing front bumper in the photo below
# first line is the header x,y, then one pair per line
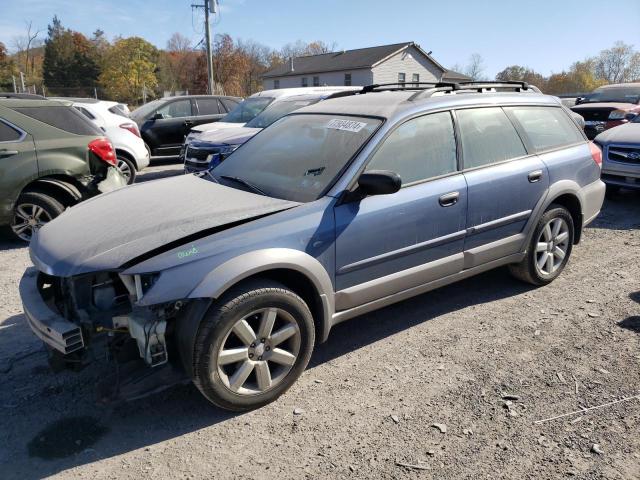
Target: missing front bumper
x,y
52,328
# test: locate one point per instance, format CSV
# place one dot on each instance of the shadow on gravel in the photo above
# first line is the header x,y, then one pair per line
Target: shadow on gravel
x,y
619,212
631,323
8,241
76,432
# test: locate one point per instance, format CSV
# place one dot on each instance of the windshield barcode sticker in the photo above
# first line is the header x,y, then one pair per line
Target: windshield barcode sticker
x,y
348,125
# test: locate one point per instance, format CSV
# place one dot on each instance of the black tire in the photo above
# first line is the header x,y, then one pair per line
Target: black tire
x,y
129,171
50,206
612,191
216,328
527,269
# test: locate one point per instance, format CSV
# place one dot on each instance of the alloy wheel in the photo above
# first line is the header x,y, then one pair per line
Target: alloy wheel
x,y
125,169
552,246
28,217
259,351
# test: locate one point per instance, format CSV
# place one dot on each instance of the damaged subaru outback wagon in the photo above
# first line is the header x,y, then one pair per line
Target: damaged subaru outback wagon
x,y
333,211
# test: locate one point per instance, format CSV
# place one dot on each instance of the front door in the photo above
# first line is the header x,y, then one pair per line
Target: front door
x,y
389,243
170,130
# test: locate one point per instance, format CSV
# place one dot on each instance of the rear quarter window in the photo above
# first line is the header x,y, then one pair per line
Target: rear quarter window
x,y
546,127
61,117
8,134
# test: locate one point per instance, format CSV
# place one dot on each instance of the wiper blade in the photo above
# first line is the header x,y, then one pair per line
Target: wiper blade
x,y
245,183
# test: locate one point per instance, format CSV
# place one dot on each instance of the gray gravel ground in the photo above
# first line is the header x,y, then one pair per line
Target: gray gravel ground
x,y
481,360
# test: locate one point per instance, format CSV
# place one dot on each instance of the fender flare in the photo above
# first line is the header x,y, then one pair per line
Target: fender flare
x,y
67,188
220,279
562,187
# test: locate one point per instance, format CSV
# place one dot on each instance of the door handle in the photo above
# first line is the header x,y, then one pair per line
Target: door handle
x,y
535,176
7,153
449,199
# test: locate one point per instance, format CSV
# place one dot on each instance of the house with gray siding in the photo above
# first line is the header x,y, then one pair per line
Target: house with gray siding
x,y
398,63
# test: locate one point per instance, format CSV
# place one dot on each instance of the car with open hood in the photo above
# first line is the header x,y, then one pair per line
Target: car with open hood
x,y
621,156
608,106
335,210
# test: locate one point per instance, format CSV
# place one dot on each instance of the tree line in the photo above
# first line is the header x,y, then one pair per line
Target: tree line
x,y
68,63
132,70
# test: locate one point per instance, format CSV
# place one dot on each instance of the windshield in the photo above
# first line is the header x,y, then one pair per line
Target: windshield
x,y
142,111
621,95
299,156
277,111
247,110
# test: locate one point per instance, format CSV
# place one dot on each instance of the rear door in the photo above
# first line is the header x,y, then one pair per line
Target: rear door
x,y
505,183
18,163
208,110
389,243
169,131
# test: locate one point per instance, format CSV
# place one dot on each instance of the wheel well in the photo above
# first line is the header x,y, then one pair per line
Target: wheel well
x,y
302,286
571,203
128,156
65,190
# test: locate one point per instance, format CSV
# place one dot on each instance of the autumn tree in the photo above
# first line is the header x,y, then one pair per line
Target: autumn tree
x,y
129,67
7,69
69,60
24,46
176,64
520,73
618,64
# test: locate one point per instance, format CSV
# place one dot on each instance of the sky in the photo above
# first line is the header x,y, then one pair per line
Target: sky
x,y
544,35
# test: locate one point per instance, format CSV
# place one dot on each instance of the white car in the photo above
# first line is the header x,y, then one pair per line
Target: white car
x,y
253,106
112,119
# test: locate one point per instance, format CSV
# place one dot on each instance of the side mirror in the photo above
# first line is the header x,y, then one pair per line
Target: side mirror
x,y
158,116
630,116
379,182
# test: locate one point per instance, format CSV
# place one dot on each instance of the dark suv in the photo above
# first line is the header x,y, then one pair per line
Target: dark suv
x,y
165,122
51,157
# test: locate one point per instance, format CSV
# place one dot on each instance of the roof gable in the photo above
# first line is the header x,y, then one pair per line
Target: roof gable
x,y
345,60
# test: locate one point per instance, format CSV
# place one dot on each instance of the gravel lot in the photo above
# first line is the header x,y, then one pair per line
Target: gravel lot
x,y
447,385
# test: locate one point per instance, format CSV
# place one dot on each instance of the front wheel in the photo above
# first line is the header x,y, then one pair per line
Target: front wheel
x,y
549,249
252,345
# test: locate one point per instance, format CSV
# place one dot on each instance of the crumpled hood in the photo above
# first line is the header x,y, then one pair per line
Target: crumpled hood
x,y
111,229
628,133
230,136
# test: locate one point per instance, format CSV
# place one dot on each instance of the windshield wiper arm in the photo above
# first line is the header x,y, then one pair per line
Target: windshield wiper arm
x,y
245,183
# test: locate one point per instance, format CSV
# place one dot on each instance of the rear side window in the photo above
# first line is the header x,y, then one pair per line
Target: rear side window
x,y
229,103
419,149
546,127
85,112
63,118
488,136
208,106
8,134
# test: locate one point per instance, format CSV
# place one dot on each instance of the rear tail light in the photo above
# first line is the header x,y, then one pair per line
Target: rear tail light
x,y
103,149
132,127
596,153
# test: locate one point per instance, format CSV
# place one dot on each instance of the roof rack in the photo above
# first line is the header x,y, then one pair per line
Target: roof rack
x,y
406,86
481,86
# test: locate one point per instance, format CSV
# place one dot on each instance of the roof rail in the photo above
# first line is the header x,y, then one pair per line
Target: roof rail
x,y
405,86
517,86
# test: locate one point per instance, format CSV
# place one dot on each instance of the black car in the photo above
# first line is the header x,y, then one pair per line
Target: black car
x,y
164,122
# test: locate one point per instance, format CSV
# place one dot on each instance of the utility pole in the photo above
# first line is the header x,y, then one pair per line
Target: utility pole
x,y
22,81
15,88
209,7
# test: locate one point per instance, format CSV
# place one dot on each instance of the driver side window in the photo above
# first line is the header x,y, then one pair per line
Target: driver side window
x,y
179,108
419,149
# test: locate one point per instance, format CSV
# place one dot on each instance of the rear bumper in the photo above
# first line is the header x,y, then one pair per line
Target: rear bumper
x,y
52,328
592,200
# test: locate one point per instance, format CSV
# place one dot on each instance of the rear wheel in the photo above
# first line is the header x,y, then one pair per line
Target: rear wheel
x,y
252,346
127,168
549,249
31,212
